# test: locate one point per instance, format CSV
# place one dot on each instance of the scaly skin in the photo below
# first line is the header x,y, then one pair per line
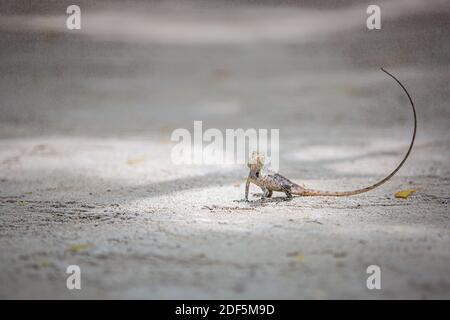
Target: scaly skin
x,y
270,181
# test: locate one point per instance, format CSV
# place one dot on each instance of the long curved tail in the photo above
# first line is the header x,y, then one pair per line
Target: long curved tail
x,y
308,192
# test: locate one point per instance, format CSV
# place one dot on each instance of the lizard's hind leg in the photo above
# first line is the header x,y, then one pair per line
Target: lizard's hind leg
x,y
288,192
266,193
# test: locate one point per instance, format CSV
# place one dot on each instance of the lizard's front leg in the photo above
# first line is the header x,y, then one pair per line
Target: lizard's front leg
x,y
247,187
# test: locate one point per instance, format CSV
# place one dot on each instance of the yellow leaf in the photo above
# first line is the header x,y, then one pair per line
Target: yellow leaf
x,y
74,248
404,193
44,263
137,160
299,257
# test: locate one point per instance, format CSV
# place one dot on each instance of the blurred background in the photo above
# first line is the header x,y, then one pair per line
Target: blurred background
x,y
147,67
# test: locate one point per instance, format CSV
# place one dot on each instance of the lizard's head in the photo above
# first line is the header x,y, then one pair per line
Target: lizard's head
x,y
256,161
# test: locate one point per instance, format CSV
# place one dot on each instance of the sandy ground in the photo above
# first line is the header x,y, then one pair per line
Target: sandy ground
x,y
86,177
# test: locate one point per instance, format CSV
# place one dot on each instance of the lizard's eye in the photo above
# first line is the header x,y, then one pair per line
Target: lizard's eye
x,y
257,174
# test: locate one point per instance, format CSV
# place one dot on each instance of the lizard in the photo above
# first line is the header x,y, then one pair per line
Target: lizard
x,y
270,181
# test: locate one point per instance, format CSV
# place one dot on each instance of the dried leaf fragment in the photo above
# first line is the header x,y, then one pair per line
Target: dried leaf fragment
x,y
74,248
404,194
136,160
299,256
